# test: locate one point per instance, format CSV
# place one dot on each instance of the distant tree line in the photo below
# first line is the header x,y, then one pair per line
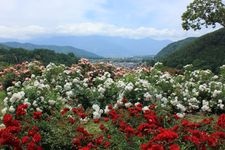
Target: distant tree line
x,y
18,55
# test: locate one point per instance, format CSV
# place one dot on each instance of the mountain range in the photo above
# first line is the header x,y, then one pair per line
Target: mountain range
x,y
92,46
107,46
59,49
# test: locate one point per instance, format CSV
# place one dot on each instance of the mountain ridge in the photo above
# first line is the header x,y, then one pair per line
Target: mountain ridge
x,y
205,52
60,49
173,47
107,46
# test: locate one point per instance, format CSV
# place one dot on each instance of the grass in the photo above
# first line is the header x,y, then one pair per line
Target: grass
x,y
93,128
200,116
2,96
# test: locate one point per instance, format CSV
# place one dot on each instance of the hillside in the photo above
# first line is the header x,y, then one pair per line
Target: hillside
x,y
205,52
173,47
17,55
60,49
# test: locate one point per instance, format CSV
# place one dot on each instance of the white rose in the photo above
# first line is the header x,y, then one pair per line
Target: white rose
x,y
11,109
95,107
128,104
4,110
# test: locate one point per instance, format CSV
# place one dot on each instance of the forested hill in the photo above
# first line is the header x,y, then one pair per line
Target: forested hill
x,y
173,47
205,52
59,49
17,55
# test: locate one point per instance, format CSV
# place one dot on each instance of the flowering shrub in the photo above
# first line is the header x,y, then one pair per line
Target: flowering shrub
x,y
84,83
135,127
100,106
18,72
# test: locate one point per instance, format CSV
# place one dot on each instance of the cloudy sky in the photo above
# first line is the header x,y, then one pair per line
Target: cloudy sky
x,y
24,19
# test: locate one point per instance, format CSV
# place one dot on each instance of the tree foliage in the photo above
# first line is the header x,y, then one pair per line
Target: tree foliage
x,y
18,55
204,13
205,52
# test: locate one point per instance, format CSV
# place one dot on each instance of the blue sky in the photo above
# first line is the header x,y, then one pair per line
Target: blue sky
x,y
24,19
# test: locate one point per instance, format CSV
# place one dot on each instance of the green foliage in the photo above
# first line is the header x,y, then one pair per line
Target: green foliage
x,y
3,65
58,49
53,71
56,134
173,47
204,12
206,52
18,55
119,140
2,96
7,79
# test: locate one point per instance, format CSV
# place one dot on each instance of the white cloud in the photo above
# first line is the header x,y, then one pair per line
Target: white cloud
x,y
112,30
23,19
88,28
21,32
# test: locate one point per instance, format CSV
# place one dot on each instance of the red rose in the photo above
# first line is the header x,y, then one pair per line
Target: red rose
x,y
85,148
71,120
21,109
102,127
7,120
96,120
99,140
33,131
107,144
166,135
64,111
156,147
39,148
106,119
37,138
174,147
31,146
25,139
212,141
37,115
221,121
76,141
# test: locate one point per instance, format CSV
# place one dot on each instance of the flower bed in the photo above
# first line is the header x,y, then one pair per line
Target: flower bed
x,y
136,127
100,106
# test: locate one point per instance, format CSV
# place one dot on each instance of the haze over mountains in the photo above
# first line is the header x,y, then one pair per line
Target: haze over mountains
x,y
105,46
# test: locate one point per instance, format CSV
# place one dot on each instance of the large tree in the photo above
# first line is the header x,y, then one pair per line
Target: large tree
x,y
204,13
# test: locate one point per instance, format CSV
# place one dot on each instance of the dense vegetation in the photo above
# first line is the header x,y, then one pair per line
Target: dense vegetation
x,y
204,13
173,47
99,106
206,52
17,55
59,49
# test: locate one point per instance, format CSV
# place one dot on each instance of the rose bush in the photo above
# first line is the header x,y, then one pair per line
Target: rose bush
x,y
100,106
136,127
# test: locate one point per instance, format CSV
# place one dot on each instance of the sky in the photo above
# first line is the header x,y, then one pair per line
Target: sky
x,y
157,19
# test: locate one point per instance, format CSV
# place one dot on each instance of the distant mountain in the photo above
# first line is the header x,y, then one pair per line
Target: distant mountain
x,y
173,47
205,52
60,49
107,46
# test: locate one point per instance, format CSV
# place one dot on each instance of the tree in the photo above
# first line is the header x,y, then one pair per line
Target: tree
x,y
204,13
